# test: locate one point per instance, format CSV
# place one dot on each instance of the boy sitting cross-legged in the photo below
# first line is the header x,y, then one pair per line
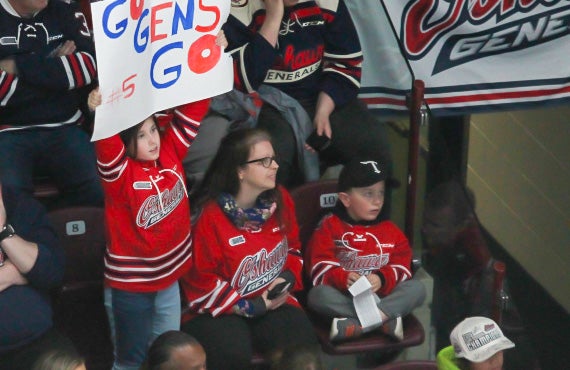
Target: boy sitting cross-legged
x,y
352,242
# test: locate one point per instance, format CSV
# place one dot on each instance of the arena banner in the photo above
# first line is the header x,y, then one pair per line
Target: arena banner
x,y
473,55
386,77
156,54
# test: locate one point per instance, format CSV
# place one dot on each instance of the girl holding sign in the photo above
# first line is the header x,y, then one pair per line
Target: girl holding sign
x,y
148,226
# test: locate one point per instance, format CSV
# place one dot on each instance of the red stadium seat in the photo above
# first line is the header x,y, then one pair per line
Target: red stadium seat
x,y
312,201
79,310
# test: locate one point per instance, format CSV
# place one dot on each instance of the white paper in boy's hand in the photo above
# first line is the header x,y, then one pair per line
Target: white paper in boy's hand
x,y
365,305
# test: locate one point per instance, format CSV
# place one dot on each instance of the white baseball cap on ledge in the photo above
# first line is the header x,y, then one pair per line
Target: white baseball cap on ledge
x,y
478,338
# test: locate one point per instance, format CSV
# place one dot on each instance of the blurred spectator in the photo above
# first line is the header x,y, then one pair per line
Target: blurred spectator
x,y
175,350
299,358
46,60
457,257
60,360
477,343
31,263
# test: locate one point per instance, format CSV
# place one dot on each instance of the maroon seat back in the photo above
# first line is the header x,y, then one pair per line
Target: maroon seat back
x,y
79,310
312,201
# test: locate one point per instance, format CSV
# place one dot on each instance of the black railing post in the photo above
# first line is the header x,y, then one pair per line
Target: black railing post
x,y
415,107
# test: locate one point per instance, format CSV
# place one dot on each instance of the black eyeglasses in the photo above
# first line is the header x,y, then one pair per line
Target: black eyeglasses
x,y
265,161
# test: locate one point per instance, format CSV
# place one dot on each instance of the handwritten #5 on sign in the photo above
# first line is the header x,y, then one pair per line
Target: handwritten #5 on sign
x,y
156,54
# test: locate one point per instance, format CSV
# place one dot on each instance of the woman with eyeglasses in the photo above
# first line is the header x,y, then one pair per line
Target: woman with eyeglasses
x,y
246,259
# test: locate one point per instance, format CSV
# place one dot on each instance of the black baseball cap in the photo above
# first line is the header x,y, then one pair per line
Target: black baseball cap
x,y
361,172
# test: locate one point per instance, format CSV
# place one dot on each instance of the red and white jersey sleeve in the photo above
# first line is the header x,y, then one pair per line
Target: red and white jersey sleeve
x,y
185,124
337,248
229,263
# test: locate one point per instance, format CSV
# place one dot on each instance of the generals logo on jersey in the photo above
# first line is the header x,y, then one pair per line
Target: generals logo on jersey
x,y
259,270
351,244
154,209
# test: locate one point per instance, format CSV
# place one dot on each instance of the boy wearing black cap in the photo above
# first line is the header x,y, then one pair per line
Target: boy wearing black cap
x,y
352,242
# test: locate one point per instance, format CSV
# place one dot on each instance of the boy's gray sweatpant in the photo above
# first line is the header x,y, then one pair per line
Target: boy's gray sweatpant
x,y
331,302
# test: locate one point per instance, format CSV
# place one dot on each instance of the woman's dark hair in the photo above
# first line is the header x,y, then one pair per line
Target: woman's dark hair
x,y
161,349
222,174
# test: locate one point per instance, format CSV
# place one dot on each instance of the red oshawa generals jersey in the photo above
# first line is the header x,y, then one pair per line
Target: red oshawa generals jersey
x,y
146,207
229,263
317,50
337,248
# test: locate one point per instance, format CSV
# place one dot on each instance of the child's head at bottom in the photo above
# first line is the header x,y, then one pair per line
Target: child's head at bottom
x,y
478,343
361,187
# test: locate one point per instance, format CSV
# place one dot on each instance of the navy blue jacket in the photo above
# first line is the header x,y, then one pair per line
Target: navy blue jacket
x,y
25,310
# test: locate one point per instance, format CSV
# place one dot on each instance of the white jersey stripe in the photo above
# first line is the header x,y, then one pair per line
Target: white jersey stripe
x,y
113,161
185,243
180,137
204,297
84,69
115,178
246,82
215,293
222,308
68,72
168,263
348,77
13,86
343,56
159,277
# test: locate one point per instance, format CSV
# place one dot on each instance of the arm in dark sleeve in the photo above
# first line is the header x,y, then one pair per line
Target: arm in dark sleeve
x,y
342,67
253,55
14,91
30,220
